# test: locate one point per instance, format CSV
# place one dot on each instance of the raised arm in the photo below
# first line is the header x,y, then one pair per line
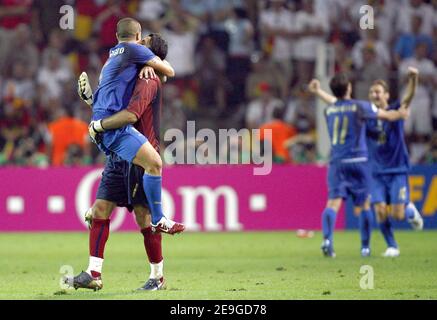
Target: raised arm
x,y
413,79
315,89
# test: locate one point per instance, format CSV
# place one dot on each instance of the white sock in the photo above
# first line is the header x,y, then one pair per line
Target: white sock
x,y
95,264
156,270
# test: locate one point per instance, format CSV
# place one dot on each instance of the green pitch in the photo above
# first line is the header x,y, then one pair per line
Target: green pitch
x,y
222,266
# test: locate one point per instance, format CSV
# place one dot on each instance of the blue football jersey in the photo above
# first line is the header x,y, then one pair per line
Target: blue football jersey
x,y
346,121
387,148
118,78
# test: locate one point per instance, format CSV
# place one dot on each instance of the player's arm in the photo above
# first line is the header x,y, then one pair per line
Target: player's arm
x,y
161,66
393,115
315,89
413,79
119,120
139,54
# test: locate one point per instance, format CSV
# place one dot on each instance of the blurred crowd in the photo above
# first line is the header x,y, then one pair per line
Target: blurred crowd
x,y
238,63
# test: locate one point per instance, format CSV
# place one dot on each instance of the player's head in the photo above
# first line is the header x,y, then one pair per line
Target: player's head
x,y
379,93
341,86
157,44
128,29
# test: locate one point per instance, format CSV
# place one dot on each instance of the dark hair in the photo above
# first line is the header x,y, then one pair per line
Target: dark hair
x,y
127,28
158,45
339,84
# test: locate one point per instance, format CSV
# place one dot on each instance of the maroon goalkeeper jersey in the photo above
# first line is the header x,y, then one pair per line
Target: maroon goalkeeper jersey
x,y
146,104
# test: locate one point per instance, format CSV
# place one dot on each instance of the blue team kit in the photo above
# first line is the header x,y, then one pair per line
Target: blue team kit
x,y
389,161
348,172
116,85
121,181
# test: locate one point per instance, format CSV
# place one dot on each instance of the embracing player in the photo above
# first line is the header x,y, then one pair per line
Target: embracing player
x,y
348,172
117,81
121,183
390,164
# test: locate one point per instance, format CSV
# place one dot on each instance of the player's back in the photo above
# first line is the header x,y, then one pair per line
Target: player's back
x,y
346,121
146,104
118,77
387,148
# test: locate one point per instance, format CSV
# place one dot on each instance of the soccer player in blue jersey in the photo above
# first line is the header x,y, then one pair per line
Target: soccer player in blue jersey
x,y
117,81
121,183
348,172
390,164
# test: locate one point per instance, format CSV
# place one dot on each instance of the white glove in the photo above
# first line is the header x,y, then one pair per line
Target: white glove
x,y
94,130
84,89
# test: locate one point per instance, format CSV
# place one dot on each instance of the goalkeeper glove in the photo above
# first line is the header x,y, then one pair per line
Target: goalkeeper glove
x,y
95,130
84,89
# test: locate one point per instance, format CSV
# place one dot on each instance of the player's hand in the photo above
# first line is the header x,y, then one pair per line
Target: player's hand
x,y
147,73
314,86
95,131
413,72
84,89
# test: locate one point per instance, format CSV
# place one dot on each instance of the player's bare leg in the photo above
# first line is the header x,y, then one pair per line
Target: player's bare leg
x,y
99,233
150,160
383,218
152,244
328,225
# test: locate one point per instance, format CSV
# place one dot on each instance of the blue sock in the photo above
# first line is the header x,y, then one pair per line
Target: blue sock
x,y
409,212
152,188
366,223
328,223
387,232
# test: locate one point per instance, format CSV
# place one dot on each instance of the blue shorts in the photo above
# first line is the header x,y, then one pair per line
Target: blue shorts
x,y
390,189
122,183
349,179
125,142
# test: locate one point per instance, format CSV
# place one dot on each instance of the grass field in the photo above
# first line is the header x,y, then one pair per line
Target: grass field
x,y
222,266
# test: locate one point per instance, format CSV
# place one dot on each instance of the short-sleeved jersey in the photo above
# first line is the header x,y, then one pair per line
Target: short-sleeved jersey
x,y
146,105
118,77
388,151
346,121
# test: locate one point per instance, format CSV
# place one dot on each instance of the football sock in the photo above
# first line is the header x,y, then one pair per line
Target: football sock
x,y
95,267
365,222
387,232
410,211
99,234
152,188
328,223
152,244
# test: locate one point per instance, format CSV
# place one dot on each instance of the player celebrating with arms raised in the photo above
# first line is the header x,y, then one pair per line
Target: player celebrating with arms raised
x,y
348,172
390,163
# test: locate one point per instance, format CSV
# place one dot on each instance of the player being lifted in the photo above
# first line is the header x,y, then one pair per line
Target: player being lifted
x,y
348,172
121,183
389,161
116,85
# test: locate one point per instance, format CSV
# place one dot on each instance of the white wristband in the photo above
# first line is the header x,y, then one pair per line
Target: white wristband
x,y
97,125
